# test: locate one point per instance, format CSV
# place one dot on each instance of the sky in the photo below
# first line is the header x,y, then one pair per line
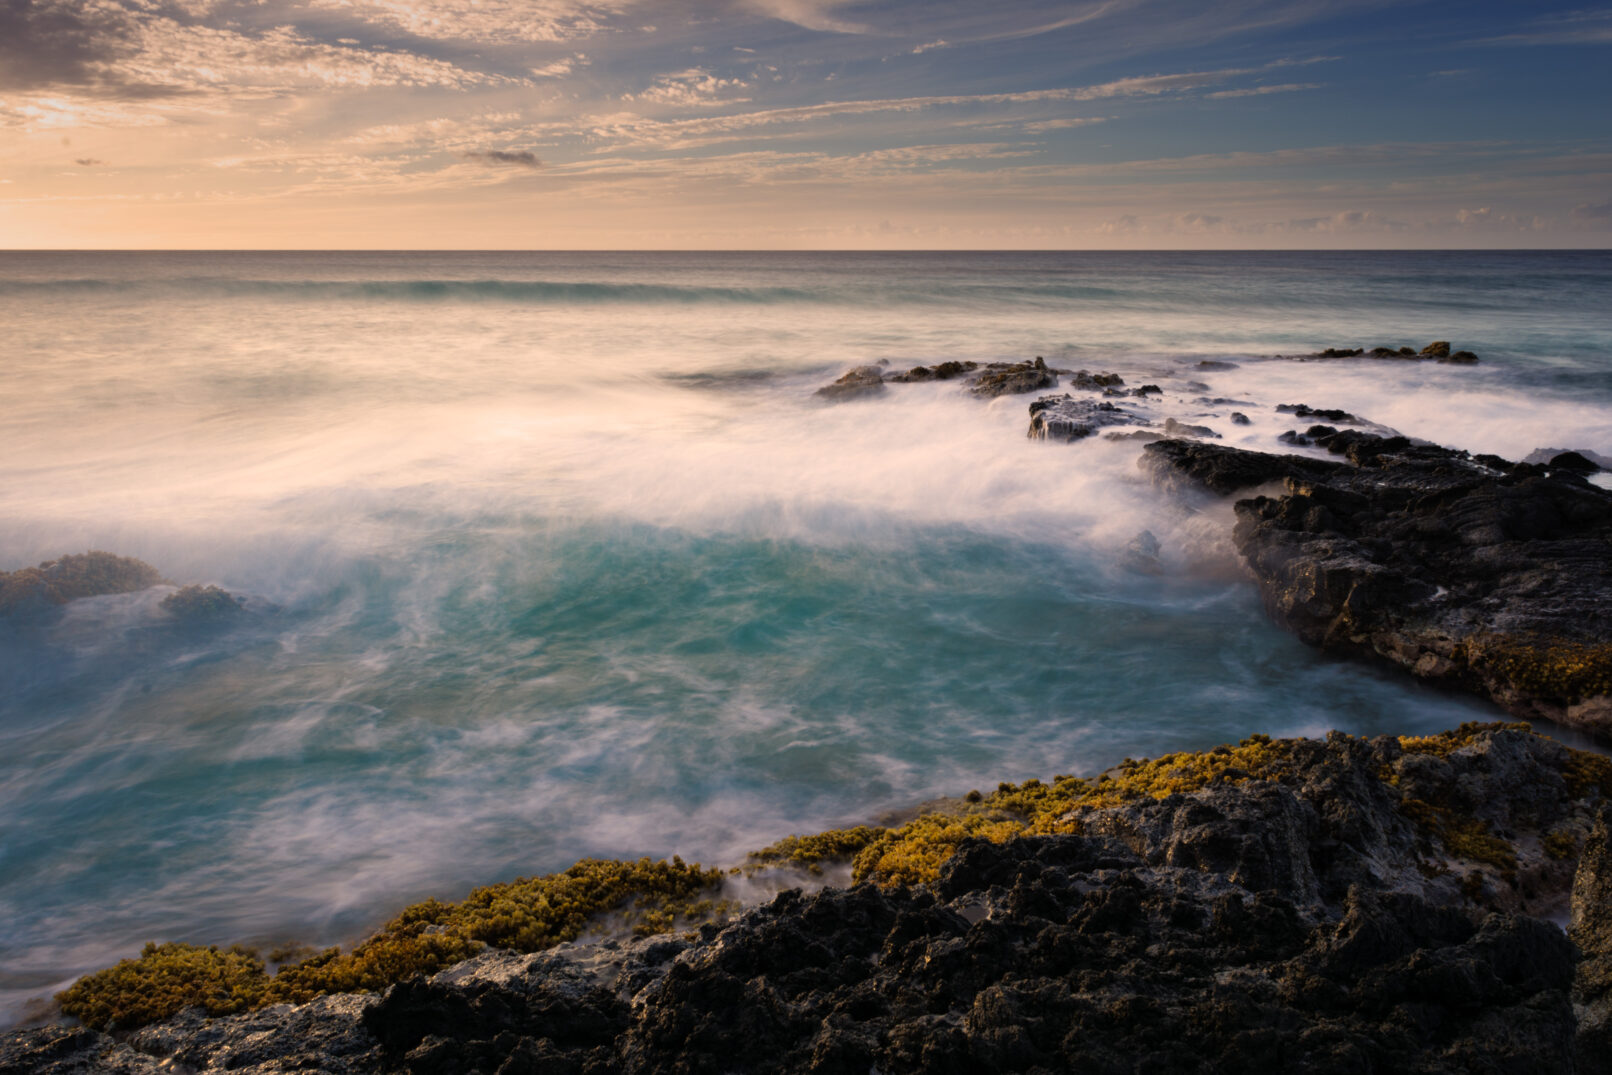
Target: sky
x,y
804,124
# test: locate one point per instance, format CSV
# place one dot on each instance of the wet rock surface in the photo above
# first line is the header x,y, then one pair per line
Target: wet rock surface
x,y
1065,418
1303,921
1329,414
1472,572
1001,380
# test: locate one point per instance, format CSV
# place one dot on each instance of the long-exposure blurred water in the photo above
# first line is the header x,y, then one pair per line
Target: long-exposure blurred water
x,y
549,555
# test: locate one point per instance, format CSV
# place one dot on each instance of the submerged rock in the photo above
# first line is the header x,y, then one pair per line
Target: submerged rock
x,y
89,574
1331,414
201,603
1141,554
1173,428
1472,572
1066,418
859,383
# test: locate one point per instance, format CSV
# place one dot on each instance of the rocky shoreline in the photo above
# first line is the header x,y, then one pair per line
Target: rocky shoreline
x,y
1322,905
1347,904
1474,573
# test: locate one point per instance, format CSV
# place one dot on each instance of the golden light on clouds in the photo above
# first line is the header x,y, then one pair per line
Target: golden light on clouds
x,y
493,123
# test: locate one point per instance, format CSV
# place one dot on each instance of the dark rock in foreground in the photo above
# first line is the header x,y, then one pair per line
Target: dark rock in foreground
x,y
1476,573
1323,914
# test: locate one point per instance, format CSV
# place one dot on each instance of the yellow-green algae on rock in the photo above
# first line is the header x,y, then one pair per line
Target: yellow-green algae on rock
x,y
915,852
535,913
523,915
1549,668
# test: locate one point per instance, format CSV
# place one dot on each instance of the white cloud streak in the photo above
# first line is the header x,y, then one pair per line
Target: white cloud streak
x,y
1260,91
504,22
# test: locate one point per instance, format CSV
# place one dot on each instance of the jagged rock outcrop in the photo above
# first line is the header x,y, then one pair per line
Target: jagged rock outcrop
x,y
1473,572
1318,905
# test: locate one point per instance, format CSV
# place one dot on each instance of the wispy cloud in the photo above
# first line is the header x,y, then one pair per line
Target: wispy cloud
x,y
1067,123
486,21
695,87
1260,91
127,50
1586,27
562,67
811,14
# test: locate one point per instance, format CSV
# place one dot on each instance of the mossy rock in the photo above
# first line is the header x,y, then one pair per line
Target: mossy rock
x,y
88,574
525,915
1557,669
165,979
812,851
201,603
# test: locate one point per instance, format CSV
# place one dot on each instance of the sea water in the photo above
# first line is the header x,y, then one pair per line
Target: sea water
x,y
547,556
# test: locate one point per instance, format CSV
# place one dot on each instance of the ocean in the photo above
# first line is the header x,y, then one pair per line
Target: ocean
x,y
548,556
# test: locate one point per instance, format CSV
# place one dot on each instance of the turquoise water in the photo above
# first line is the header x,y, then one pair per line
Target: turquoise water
x,y
556,555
